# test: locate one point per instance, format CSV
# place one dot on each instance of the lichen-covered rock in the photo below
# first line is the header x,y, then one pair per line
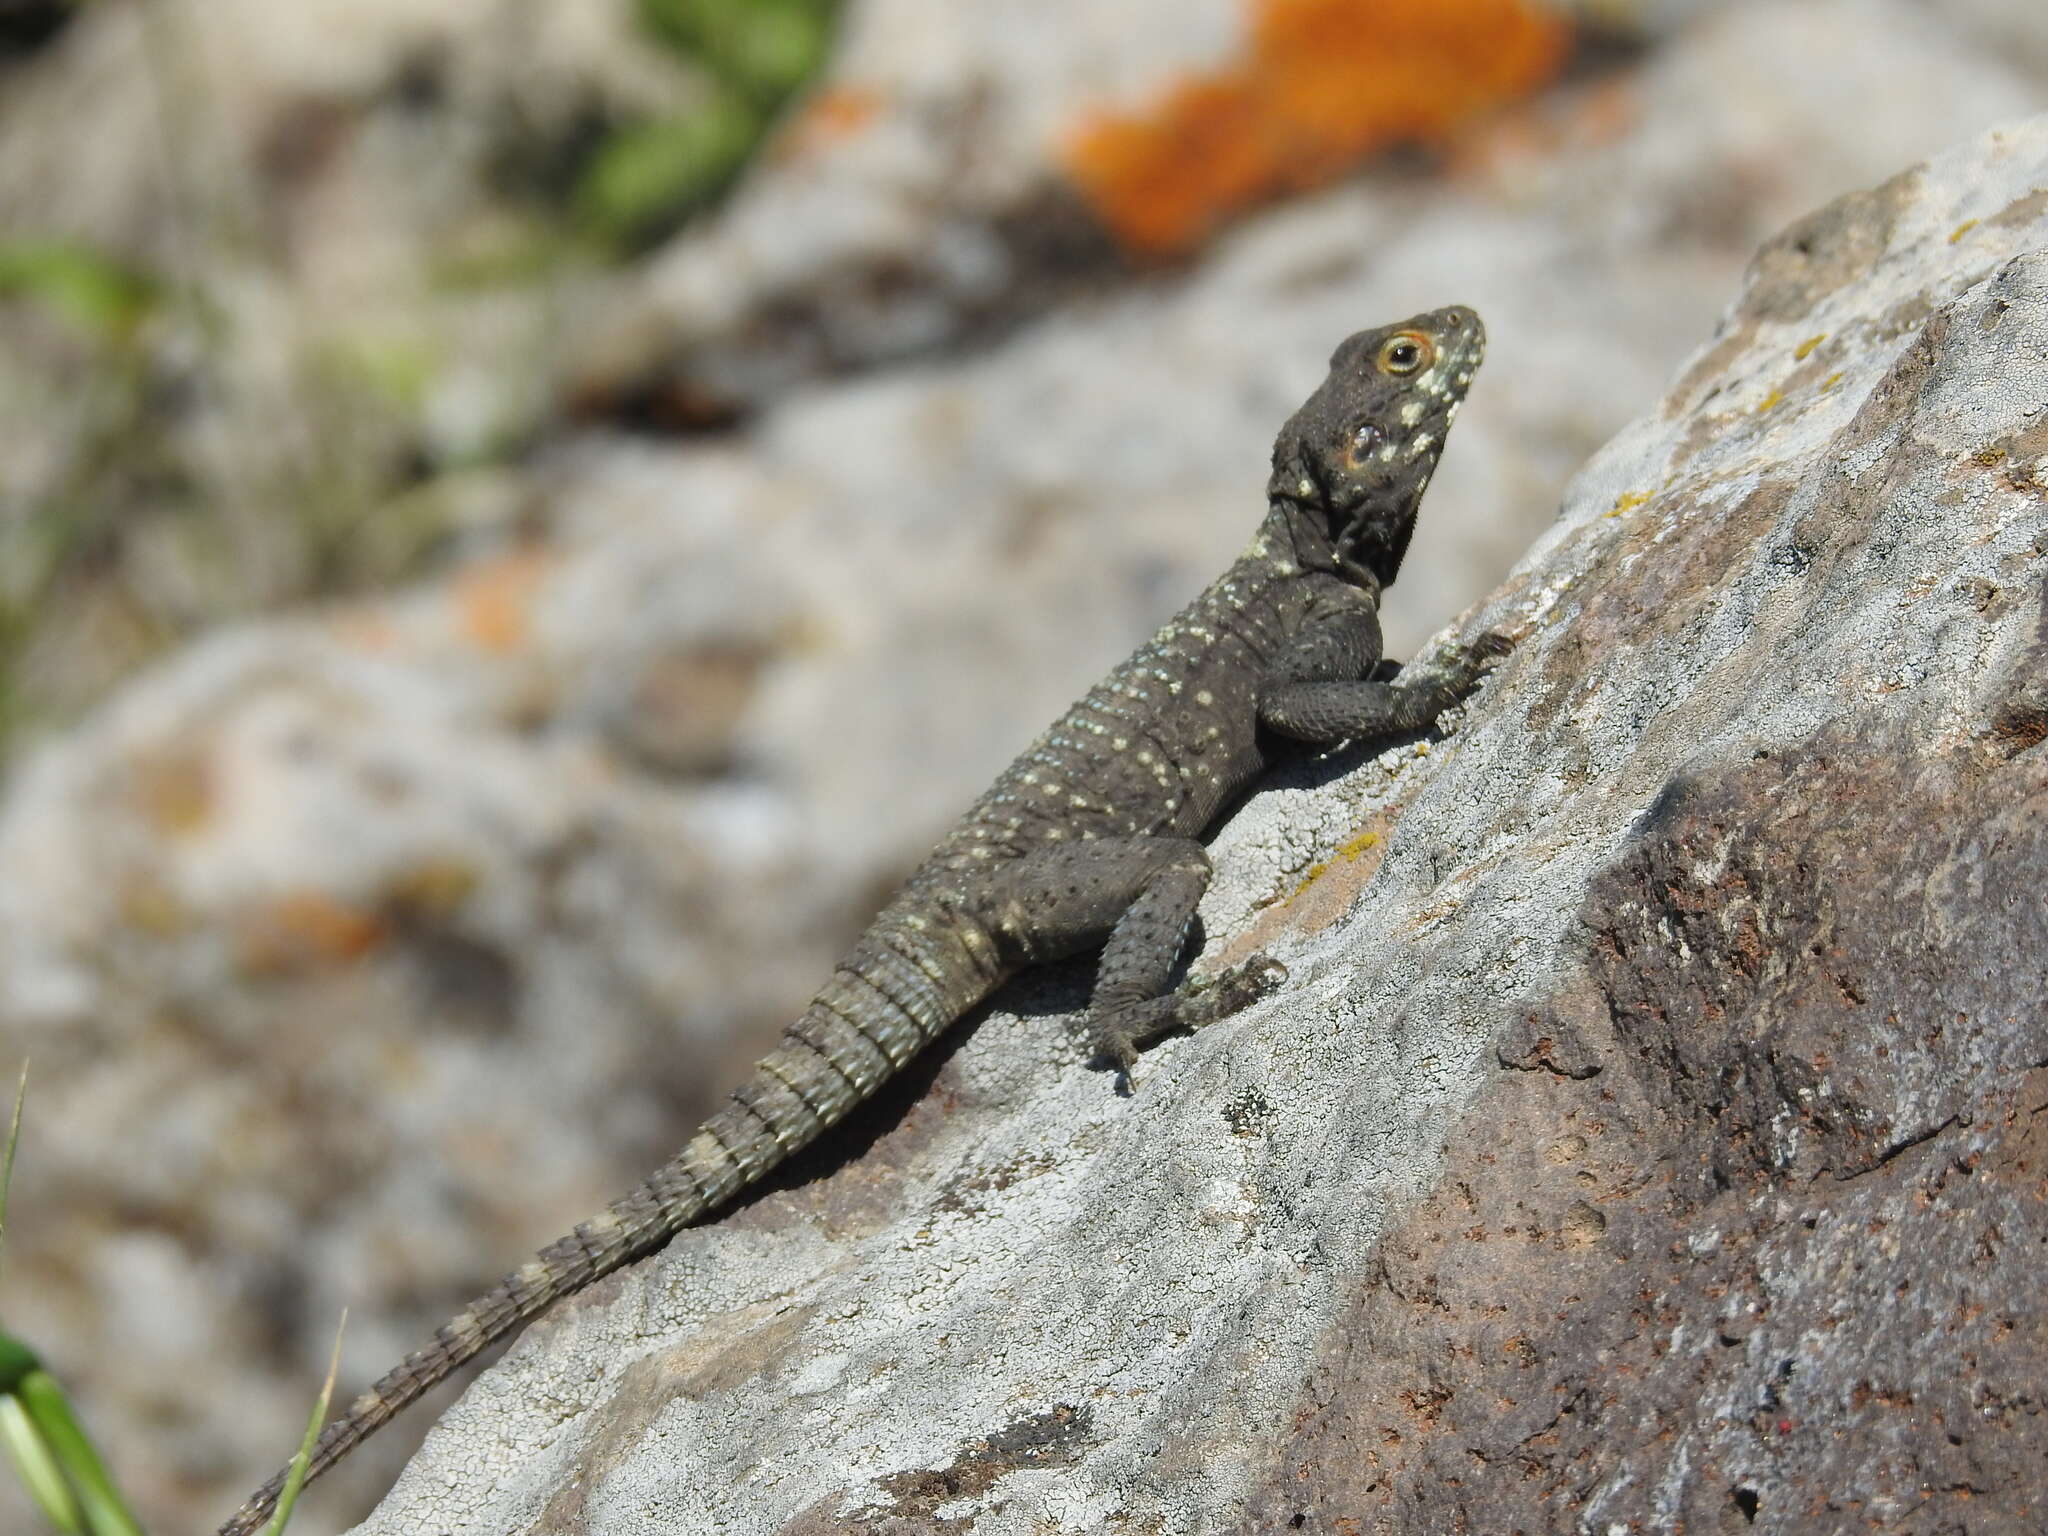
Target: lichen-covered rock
x,y
1648,1134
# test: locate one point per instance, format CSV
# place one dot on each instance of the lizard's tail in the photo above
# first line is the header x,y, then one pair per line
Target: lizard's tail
x,y
879,1009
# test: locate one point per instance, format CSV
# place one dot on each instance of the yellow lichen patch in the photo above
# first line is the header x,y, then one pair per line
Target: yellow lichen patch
x,y
1830,382
1322,84
493,601
1627,501
147,907
174,790
1771,401
1804,350
305,930
433,888
1961,230
1343,855
1324,895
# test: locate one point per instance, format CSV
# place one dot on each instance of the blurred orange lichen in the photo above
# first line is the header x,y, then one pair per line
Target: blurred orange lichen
x,y
305,930
365,629
829,116
492,601
1322,84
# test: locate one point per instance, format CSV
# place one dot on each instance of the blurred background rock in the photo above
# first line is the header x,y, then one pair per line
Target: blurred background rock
x,y
519,520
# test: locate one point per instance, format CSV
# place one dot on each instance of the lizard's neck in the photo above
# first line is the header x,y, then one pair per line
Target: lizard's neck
x,y
1294,534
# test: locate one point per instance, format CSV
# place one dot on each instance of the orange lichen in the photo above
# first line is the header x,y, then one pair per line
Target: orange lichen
x,y
828,117
305,930
365,629
492,601
1322,84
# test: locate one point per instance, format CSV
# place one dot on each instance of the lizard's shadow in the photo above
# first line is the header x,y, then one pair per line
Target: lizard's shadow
x,y
1318,767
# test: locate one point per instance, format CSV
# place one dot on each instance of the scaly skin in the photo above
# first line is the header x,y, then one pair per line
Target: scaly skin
x,y
1088,839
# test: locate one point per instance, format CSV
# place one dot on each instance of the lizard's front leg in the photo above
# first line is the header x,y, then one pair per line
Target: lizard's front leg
x,y
1332,710
1136,896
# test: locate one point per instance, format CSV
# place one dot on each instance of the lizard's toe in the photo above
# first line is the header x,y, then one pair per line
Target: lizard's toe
x,y
1237,988
1492,646
1114,1048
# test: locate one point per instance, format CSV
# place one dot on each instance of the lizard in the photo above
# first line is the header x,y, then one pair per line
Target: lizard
x,y
1089,840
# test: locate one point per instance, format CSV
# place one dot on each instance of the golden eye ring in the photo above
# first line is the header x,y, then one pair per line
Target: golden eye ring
x,y
1405,352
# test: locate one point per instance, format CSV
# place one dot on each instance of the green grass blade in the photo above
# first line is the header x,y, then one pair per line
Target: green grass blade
x,y
295,1479
38,1469
105,1514
7,1157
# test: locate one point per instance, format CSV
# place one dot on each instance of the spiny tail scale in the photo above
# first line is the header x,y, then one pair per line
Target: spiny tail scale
x,y
911,976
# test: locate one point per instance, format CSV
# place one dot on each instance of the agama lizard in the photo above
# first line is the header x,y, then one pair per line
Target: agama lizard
x,y
1089,838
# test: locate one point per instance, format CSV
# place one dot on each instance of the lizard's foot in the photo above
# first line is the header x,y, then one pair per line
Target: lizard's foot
x,y
1219,996
1120,1031
1471,663
1490,647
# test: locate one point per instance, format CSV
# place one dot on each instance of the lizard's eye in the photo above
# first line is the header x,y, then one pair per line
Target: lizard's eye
x,y
1405,353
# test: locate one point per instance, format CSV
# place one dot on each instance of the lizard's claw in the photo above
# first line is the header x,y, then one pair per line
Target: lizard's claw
x,y
1470,663
1490,648
1228,991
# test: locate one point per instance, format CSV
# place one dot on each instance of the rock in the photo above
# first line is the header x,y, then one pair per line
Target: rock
x,y
1649,1132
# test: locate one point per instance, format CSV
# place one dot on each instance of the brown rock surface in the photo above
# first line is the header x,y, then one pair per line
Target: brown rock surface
x,y
1750,1235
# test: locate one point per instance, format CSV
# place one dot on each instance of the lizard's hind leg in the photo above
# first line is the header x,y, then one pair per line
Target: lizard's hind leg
x,y
1136,896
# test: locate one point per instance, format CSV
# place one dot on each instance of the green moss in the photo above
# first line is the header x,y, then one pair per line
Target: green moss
x,y
647,176
643,178
94,293
762,48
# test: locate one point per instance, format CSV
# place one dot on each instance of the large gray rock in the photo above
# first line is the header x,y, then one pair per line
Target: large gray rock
x,y
1648,1133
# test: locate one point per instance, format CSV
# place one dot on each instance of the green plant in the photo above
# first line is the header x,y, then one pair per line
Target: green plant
x,y
644,177
50,1449
52,1454
96,294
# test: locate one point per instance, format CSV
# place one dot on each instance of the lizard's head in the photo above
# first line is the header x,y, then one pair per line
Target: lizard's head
x,y
1353,462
